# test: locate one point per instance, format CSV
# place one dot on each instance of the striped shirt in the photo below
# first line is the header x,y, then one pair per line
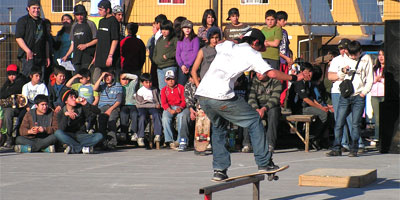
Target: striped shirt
x,y
265,93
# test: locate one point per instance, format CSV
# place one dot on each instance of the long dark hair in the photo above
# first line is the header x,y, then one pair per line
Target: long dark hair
x,y
192,35
205,15
62,31
378,64
177,25
167,25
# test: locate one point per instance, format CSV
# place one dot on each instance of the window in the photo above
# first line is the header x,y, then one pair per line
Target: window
x,y
171,1
380,6
62,5
253,1
330,3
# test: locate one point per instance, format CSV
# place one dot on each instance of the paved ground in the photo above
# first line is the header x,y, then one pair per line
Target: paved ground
x,y
167,174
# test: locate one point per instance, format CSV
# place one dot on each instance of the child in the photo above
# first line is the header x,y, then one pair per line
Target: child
x,y
235,29
133,51
128,108
37,128
148,103
111,94
34,87
273,37
57,88
164,52
173,103
186,51
206,55
86,90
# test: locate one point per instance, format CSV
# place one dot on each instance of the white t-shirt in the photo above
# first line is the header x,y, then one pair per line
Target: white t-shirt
x,y
156,36
336,64
229,63
31,91
364,78
147,94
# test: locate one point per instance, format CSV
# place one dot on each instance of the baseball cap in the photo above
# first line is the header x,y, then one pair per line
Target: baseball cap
x,y
117,9
79,10
232,11
169,74
343,43
33,2
256,34
12,69
187,24
104,4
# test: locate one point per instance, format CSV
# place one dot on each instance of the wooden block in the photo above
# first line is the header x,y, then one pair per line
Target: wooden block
x,y
300,118
341,178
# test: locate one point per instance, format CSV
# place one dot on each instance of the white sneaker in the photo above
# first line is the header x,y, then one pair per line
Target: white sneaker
x,y
140,142
209,147
134,137
246,149
157,138
87,150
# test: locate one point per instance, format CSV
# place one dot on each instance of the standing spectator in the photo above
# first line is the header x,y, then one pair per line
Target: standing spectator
x,y
209,20
235,30
129,111
37,128
362,84
378,90
57,89
107,53
177,26
186,51
148,103
71,124
164,52
83,40
206,55
31,36
273,37
133,51
118,13
13,85
62,41
111,95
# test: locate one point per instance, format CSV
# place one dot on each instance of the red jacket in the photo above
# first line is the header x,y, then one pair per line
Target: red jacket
x,y
173,97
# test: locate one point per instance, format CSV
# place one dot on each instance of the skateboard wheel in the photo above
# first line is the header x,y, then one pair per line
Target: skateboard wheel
x,y
276,178
270,177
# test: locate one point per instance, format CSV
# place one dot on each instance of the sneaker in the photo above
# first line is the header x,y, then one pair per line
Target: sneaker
x,y
157,138
50,149
209,147
361,150
172,145
343,149
68,150
134,138
182,147
22,148
246,149
219,175
352,154
333,153
140,142
8,143
87,150
270,167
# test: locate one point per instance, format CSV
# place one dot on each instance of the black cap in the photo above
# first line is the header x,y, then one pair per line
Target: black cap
x,y
104,4
33,2
343,43
256,34
232,11
80,10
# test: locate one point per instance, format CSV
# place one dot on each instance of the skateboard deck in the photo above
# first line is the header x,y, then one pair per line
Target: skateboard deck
x,y
14,101
271,174
202,132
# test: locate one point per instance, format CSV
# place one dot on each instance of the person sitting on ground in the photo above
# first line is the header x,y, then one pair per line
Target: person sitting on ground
x,y
37,128
111,94
173,103
264,98
148,103
128,108
57,88
71,124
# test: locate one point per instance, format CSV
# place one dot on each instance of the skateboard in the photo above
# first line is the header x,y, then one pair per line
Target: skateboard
x,y
271,175
14,101
202,132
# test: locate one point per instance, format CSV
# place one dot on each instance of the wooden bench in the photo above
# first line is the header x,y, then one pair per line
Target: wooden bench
x,y
307,119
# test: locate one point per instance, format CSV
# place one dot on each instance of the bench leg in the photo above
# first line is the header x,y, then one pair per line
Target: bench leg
x,y
307,142
256,190
297,132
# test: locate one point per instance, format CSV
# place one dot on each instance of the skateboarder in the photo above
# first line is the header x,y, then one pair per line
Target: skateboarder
x,y
217,98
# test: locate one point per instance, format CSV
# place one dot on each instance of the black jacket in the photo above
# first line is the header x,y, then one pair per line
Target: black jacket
x,y
9,88
76,125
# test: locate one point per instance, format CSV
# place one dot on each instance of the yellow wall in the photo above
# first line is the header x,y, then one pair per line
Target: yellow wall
x,y
345,11
391,10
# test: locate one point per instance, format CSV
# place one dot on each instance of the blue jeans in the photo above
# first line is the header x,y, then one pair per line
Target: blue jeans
x,y
161,76
77,141
143,116
353,105
167,125
182,78
239,112
129,112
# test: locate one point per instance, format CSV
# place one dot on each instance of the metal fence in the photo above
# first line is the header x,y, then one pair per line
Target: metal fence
x,y
303,14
